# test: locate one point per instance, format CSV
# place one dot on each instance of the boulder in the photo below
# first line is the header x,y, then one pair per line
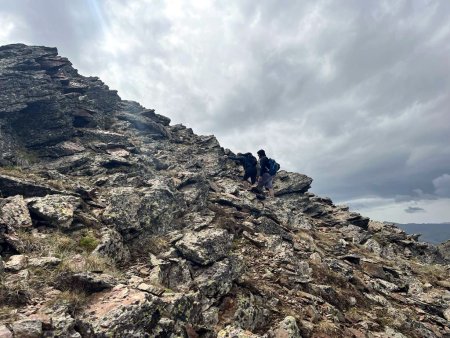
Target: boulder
x,y
174,274
12,186
112,247
5,332
27,328
206,246
217,280
145,124
14,212
235,332
120,312
56,210
444,249
291,183
447,314
44,262
287,328
16,263
152,210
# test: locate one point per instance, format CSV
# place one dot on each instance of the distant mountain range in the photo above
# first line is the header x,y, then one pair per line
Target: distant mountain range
x,y
431,233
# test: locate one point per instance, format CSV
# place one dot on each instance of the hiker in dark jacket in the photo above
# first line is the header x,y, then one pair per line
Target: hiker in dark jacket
x,y
249,163
265,178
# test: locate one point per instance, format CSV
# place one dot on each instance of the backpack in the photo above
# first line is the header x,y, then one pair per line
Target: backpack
x,y
273,167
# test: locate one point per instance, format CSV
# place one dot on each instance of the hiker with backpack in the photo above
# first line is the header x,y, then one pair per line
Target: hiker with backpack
x,y
249,163
267,170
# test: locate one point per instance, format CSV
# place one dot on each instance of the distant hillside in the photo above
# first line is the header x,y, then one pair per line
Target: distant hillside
x,y
431,233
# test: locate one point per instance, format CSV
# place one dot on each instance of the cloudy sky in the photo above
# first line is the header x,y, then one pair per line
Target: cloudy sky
x,y
352,93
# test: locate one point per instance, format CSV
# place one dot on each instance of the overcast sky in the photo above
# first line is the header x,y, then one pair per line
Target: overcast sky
x,y
353,93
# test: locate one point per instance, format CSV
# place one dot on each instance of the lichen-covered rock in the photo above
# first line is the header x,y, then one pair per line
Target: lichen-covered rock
x,y
152,210
173,273
291,183
56,210
121,312
250,311
235,332
44,262
112,246
12,186
206,246
16,263
216,280
14,212
27,328
287,328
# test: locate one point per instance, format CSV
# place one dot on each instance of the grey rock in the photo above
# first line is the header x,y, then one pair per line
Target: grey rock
x,y
16,263
216,280
174,274
44,262
250,312
14,212
447,314
444,249
27,328
232,332
206,246
287,328
145,124
151,210
112,246
5,332
136,315
291,183
12,186
57,210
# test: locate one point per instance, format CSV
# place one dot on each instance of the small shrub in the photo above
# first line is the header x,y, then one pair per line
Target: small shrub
x,y
75,300
16,294
88,243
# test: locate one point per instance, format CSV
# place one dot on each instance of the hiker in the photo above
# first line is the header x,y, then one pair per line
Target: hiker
x,y
266,173
249,163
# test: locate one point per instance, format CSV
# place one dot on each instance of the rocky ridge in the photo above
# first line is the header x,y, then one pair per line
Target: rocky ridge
x,y
113,222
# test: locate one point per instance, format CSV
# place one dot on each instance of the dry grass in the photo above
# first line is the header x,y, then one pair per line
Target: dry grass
x,y
326,327
53,244
74,300
7,314
59,244
430,273
15,294
152,244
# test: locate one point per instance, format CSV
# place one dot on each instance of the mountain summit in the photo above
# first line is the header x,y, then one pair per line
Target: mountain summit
x,y
115,223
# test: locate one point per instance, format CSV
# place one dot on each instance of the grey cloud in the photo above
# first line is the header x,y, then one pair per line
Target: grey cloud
x,y
354,94
57,23
442,185
413,210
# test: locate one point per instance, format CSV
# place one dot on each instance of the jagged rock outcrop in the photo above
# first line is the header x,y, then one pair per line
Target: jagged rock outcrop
x,y
113,222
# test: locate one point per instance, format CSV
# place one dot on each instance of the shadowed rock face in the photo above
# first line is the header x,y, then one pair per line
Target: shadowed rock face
x,y
115,223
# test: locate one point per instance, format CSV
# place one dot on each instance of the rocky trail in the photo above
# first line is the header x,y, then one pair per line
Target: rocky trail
x,y
115,223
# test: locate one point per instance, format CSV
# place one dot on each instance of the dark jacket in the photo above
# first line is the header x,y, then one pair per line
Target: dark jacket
x,y
247,160
263,165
